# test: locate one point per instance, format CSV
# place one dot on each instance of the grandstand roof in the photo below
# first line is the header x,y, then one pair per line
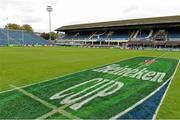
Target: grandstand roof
x,y
121,23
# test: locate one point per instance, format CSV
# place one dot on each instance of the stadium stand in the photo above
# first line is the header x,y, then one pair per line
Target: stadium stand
x,y
173,34
146,32
3,38
143,34
120,35
14,37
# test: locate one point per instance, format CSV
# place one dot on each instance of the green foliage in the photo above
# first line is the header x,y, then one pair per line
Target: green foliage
x,y
27,28
14,26
46,36
54,36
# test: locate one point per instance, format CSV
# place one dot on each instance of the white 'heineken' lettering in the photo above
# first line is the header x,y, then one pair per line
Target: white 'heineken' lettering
x,y
139,74
142,74
159,77
148,76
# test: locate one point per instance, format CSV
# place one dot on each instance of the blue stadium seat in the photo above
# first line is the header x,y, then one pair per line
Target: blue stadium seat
x,y
174,34
143,34
120,35
16,38
3,39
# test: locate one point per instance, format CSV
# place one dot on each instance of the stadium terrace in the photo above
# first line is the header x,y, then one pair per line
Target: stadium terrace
x,y
159,32
10,37
138,73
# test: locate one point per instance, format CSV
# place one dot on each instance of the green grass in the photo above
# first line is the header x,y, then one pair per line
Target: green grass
x,y
23,66
132,91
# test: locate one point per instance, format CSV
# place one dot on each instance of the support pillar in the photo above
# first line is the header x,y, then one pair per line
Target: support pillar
x,y
85,42
109,44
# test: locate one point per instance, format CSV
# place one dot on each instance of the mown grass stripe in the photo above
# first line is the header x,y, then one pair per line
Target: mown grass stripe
x,y
55,109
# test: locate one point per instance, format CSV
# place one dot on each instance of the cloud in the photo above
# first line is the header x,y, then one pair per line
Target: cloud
x,y
130,9
32,19
67,12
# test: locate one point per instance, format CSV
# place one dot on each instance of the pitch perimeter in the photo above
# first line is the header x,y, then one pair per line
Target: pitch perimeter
x,y
99,93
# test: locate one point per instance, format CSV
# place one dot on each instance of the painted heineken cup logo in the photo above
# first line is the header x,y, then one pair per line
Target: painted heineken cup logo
x,y
99,88
123,90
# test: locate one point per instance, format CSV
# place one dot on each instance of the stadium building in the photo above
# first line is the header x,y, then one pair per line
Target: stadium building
x,y
159,32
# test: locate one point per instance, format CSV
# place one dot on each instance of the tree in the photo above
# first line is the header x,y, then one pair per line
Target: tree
x,y
13,26
27,28
46,36
54,36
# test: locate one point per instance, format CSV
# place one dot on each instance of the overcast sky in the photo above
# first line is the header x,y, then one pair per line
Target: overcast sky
x,y
68,12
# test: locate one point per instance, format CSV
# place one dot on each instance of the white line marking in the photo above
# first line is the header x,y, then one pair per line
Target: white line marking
x,y
47,115
157,110
34,97
53,112
60,110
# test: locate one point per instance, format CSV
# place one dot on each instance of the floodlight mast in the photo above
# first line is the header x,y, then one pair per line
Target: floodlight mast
x,y
49,9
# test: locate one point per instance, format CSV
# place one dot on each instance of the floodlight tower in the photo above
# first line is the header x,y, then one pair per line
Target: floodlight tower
x,y
49,9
